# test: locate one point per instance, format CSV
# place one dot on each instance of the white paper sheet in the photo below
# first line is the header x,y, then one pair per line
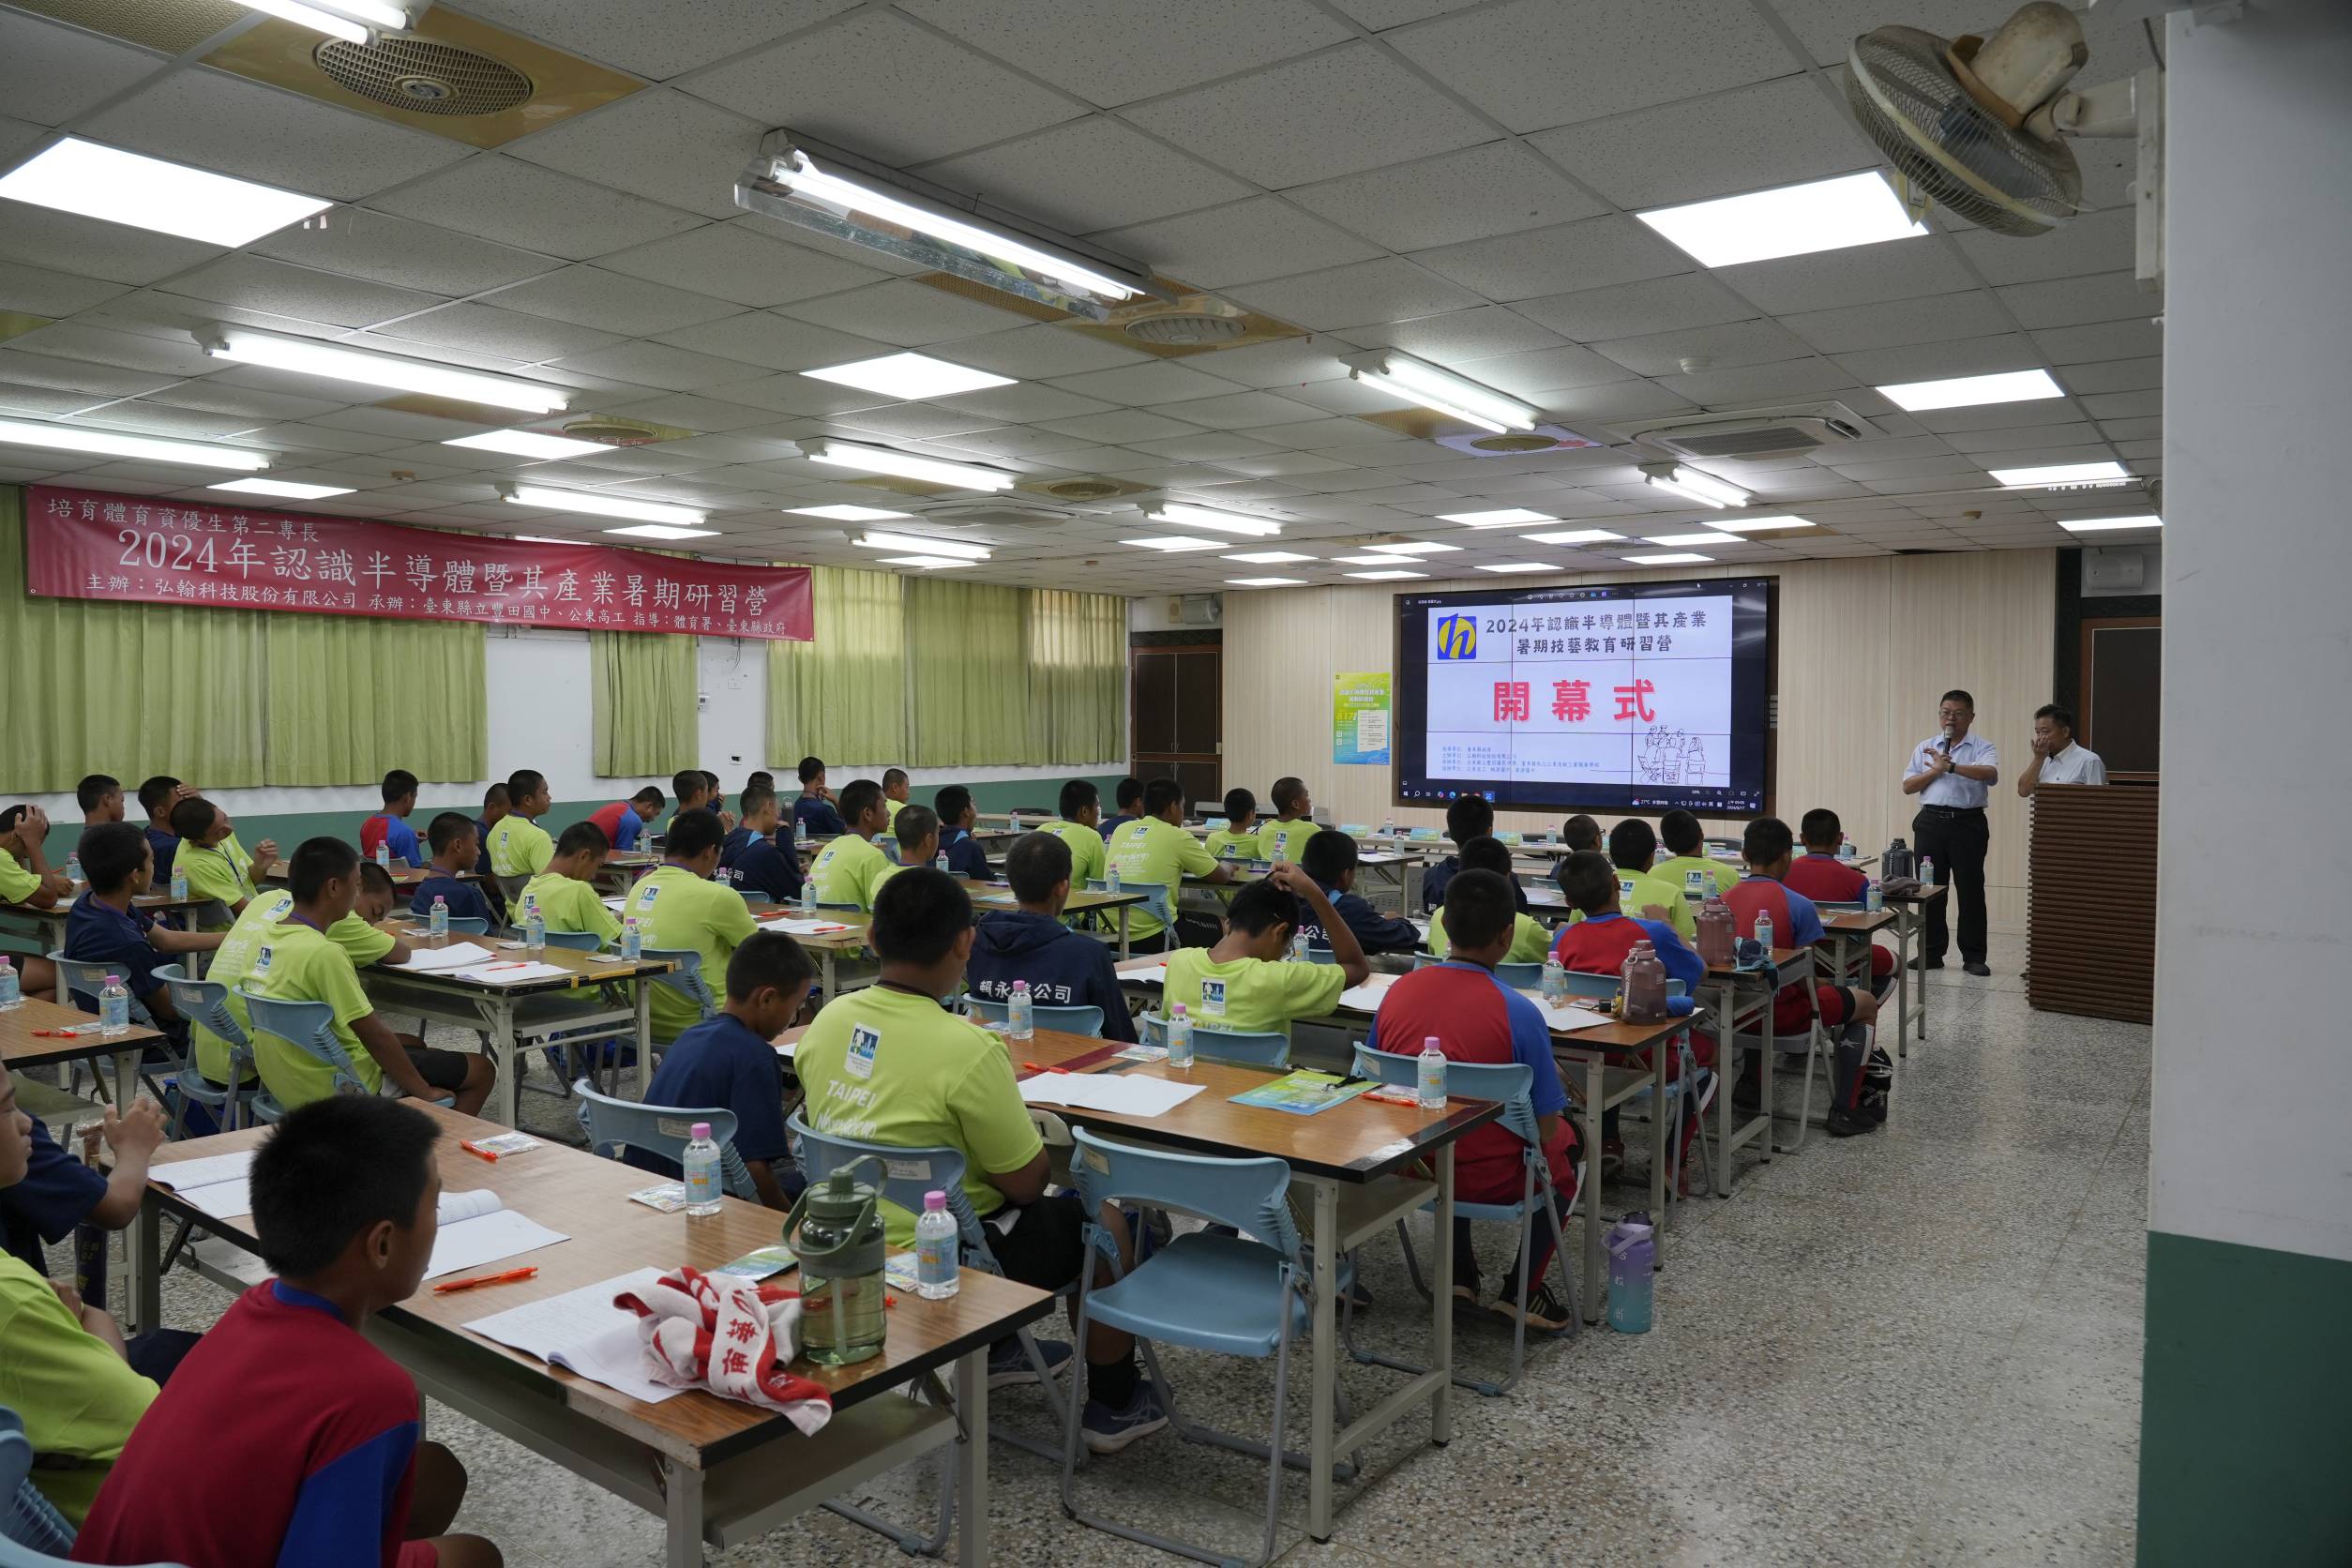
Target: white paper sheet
x,y
800,928
222,1200
455,955
1367,997
185,1176
1144,974
510,973
581,1330
486,1239
457,1206
1108,1091
1565,1019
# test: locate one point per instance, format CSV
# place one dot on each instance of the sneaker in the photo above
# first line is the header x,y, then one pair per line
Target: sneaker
x,y
1746,1095
1848,1124
1008,1367
1108,1431
1543,1311
1927,964
1466,1286
1612,1157
1979,968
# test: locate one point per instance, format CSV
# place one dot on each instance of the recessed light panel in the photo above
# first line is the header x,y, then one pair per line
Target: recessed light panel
x,y
1674,559
1266,582
1574,537
530,444
909,376
663,531
1703,537
1508,517
1521,566
1794,220
1384,577
1269,557
1422,548
2008,386
286,488
2062,473
150,193
845,513
2106,525
1175,544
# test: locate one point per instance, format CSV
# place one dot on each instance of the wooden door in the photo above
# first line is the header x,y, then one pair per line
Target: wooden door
x,y
2122,693
1179,717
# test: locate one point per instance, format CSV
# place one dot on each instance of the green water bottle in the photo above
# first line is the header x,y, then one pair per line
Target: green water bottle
x,y
835,1230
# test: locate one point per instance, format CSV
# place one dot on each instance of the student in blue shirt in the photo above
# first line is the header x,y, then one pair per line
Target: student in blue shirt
x,y
105,927
1330,857
456,848
814,809
496,802
1129,798
730,1063
157,796
1064,968
100,797
749,860
59,1192
955,819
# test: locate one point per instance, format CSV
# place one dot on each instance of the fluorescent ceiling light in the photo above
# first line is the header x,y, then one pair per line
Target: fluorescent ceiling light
x,y
1175,543
1384,577
602,506
928,563
1266,582
348,19
1417,380
1705,536
845,513
1366,560
1794,220
286,487
76,438
2102,525
909,376
905,465
2008,386
1521,566
1508,517
1269,557
1680,558
800,173
308,356
918,545
662,530
1693,485
1574,537
1423,547
528,444
1184,515
2062,473
1756,525
148,193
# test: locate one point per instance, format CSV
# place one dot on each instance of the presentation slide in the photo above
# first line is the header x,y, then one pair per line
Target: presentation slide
x,y
1636,697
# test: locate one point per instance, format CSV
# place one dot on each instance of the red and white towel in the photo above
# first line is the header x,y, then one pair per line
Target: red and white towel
x,y
730,1336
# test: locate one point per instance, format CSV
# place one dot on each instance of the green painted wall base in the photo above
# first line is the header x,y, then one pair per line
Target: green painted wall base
x,y
2246,1407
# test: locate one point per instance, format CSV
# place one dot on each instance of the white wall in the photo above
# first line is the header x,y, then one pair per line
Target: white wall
x,y
2253,1083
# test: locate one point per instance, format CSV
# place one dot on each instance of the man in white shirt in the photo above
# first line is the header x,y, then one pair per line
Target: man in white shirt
x,y
1952,773
2056,758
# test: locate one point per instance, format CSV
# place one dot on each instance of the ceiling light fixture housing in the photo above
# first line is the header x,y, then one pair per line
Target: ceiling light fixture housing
x,y
1674,558
1508,517
308,356
115,443
843,512
603,506
1574,537
2058,475
915,543
2008,386
285,489
1431,387
904,465
1176,543
107,183
1793,220
2107,525
909,376
1180,514
1694,485
528,444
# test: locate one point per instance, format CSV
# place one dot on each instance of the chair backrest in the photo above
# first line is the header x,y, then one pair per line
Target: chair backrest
x,y
31,1529
469,925
666,1130
1269,1050
686,978
907,1174
206,1001
1249,1195
578,941
753,897
1519,976
80,977
1154,901
851,906
1318,953
307,1026
1069,1020
511,888
1511,1082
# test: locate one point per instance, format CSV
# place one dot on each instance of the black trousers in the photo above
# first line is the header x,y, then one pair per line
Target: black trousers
x,y
1957,841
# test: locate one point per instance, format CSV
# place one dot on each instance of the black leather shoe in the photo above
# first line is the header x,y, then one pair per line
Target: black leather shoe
x,y
1979,968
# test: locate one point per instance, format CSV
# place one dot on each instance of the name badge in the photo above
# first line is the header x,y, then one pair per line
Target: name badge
x,y
1693,882
645,897
1213,998
864,1041
1625,889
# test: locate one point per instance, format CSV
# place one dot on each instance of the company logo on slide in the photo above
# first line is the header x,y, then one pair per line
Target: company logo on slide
x,y
1457,638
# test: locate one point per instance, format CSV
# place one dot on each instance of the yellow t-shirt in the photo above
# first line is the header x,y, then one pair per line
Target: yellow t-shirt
x,y
1153,850
222,872
1242,845
569,904
848,870
294,962
1248,996
1278,840
232,962
1529,940
674,907
1637,890
518,847
78,1400
1677,873
893,807
1089,854
18,883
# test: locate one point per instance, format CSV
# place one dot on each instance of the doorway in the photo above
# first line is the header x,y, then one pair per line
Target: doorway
x,y
1177,716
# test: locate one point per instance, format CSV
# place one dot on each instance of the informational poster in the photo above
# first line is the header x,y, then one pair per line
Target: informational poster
x,y
1360,713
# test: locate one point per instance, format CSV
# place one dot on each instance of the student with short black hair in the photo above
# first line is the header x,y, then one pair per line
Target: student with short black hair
x,y
1080,808
455,848
729,1062
566,890
1129,798
388,828
917,830
1688,866
1845,1012
623,821
888,1064
896,787
956,817
1155,851
1580,832
1246,983
518,846
158,794
1238,839
1285,837
677,905
1632,847
814,808
1331,858
750,860
216,866
1467,816
716,800
847,870
287,1436
100,797
1064,968
692,790
1530,939
1822,877
495,804
26,876
105,927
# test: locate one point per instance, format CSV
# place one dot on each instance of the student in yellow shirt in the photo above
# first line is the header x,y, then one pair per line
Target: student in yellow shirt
x,y
1686,846
356,934
897,786
1293,824
677,905
917,832
1155,851
1641,891
568,900
847,867
1238,839
1081,807
1246,984
217,864
1531,939
24,874
518,846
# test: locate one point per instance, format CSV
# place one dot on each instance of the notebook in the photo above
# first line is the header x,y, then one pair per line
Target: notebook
x,y
477,1229
582,1332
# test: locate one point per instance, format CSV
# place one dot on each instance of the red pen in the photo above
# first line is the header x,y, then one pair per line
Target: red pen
x,y
1033,1067
509,1277
477,1151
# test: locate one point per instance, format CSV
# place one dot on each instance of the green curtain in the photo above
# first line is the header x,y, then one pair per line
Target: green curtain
x,y
644,684
967,675
1077,662
844,695
129,689
350,698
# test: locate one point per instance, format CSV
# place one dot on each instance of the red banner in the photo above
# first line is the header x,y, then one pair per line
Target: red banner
x,y
88,545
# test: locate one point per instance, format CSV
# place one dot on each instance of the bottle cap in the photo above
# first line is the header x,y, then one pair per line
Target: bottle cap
x,y
934,1200
113,979
701,1129
1180,1010
1430,1043
1021,985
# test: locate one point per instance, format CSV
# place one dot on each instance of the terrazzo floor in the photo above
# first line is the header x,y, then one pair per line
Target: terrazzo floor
x,y
1921,1346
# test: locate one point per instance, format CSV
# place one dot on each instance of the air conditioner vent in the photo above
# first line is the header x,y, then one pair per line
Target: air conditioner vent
x,y
423,77
1790,430
996,514
1185,330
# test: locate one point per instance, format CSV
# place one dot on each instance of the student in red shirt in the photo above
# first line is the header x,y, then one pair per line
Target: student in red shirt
x,y
1820,876
623,820
1846,1012
389,827
286,1438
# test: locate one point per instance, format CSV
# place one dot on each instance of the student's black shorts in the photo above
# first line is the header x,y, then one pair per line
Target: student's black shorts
x,y
442,1069
1046,1245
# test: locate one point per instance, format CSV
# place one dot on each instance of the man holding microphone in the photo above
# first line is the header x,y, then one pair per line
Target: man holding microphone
x,y
1952,773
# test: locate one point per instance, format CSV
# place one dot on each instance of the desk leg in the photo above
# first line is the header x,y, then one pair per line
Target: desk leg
x,y
682,1485
1902,985
1441,1305
645,1038
143,1258
1727,1079
972,1459
831,978
505,1107
1588,1188
1122,930
1322,1420
1658,1148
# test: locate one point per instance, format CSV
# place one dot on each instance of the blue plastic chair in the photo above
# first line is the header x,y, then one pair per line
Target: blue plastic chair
x,y
1156,904
469,926
578,941
1692,1090
613,1124
1511,1083
1318,954
1520,976
754,898
685,978
1271,1049
206,1003
1214,1292
78,978
33,1534
1069,1020
309,1027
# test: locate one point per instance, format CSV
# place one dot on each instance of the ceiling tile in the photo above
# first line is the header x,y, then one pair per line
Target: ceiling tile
x,y
1734,343
1377,15
226,123
673,369
22,368
1774,133
87,248
2119,340
1307,120
38,292
656,41
1597,252
1388,289
904,312
2125,405
1545,370
1787,378
1485,332
1204,446
258,283
1088,174
49,74
1242,243
2113,375
2095,241
659,144
776,342
1126,424
1608,404
1496,188
881,86
590,296
1857,275
17,137
216,396
359,242
1106,54
131,351
163,420
1019,404
1031,352
1827,28
1160,381
2010,437
1241,410
1539,63
1323,435
510,334
798,394
2104,297
1894,322
536,209
911,421
730,261
1961,356
1290,362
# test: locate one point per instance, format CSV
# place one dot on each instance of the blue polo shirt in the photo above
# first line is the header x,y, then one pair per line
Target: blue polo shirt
x,y
481,840
822,819
1433,884
1110,825
965,857
723,1064
1375,932
394,833
465,899
97,932
165,846
57,1192
733,844
754,864
1064,968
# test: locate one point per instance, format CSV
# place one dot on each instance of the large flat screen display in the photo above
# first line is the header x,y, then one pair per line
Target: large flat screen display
x,y
1635,696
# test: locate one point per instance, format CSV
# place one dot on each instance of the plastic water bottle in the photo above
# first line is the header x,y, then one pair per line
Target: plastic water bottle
x,y
1298,948
1110,878
73,872
1874,897
1764,933
936,1266
115,1007
1432,1086
179,883
632,940
439,919
1388,827
808,896
701,1171
383,857
1019,1020
1927,869
1178,1037
1555,981
800,832
1633,1249
941,864
11,989
534,925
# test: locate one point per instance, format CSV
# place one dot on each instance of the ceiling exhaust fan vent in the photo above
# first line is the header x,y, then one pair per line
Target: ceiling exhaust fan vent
x,y
422,76
1185,330
996,514
613,432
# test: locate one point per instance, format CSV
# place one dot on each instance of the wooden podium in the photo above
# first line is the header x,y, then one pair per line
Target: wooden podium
x,y
2091,926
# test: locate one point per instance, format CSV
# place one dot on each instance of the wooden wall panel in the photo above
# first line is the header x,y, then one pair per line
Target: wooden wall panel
x,y
1865,648
2092,937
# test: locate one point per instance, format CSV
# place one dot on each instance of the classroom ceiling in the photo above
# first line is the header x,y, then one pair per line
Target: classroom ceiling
x,y
1450,178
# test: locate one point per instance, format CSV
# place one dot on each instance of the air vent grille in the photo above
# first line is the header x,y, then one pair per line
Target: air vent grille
x,y
1767,441
1186,329
424,77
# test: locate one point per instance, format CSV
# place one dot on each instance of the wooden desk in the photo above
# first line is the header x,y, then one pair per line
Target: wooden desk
x,y
20,1047
40,932
829,947
716,1471
989,897
1791,966
1364,1147
402,876
589,995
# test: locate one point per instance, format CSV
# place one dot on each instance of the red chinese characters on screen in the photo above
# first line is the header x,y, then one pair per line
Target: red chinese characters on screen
x,y
1632,702
1511,702
1572,701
